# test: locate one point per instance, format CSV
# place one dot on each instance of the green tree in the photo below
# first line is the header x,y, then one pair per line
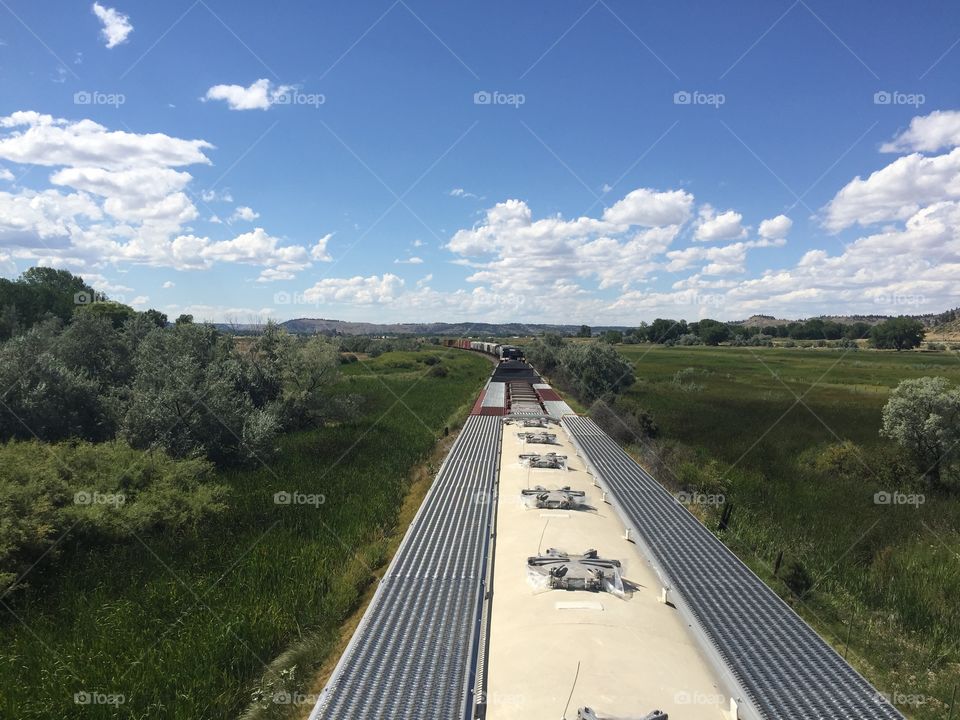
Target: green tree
x,y
188,396
923,415
544,353
900,333
184,319
156,317
296,374
662,330
309,369
45,396
116,313
713,332
40,292
585,331
857,331
595,370
612,337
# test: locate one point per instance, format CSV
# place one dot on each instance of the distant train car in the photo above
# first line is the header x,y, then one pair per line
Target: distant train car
x,y
503,353
510,352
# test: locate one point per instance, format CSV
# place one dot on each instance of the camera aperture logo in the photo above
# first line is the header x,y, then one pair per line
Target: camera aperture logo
x,y
485,97
283,697
685,697
94,497
699,498
901,699
293,96
92,298
895,97
296,298
296,497
696,97
900,299
898,498
84,697
95,97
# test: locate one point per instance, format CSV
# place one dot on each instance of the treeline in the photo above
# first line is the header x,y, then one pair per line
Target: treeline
x,y
77,366
374,346
40,293
183,388
945,317
896,333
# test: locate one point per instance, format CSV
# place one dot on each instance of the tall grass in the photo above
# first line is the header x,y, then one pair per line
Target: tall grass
x,y
187,626
886,578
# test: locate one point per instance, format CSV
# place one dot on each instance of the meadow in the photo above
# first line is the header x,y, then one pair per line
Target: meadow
x,y
790,437
234,618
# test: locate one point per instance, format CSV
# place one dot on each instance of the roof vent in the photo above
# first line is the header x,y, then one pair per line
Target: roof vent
x,y
542,438
557,570
562,499
586,713
542,421
550,461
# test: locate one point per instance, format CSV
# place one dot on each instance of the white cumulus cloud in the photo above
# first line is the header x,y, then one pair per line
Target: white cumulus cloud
x,y
371,290
38,139
775,228
119,198
259,95
116,26
247,214
319,251
712,225
928,133
895,192
650,208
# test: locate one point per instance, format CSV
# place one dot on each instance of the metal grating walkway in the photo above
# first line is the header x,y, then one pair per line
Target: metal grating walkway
x,y
786,669
413,654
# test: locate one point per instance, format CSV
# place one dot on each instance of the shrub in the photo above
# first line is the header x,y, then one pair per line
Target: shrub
x,y
844,459
923,416
52,494
438,371
688,339
797,578
623,423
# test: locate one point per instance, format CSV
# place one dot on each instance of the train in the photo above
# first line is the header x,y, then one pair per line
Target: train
x,y
501,352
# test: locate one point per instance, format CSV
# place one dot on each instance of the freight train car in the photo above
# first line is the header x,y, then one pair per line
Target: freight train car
x,y
501,352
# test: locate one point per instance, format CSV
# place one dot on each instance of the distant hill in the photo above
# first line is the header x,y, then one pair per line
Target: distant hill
x,y
341,327
949,330
946,324
929,319
321,326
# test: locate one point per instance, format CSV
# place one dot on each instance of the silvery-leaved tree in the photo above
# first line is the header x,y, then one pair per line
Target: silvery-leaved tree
x,y
923,415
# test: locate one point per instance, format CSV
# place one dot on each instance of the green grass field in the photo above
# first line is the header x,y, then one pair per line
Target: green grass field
x,y
885,578
184,627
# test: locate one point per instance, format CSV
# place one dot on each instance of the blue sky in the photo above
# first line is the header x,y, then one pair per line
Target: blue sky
x,y
605,162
